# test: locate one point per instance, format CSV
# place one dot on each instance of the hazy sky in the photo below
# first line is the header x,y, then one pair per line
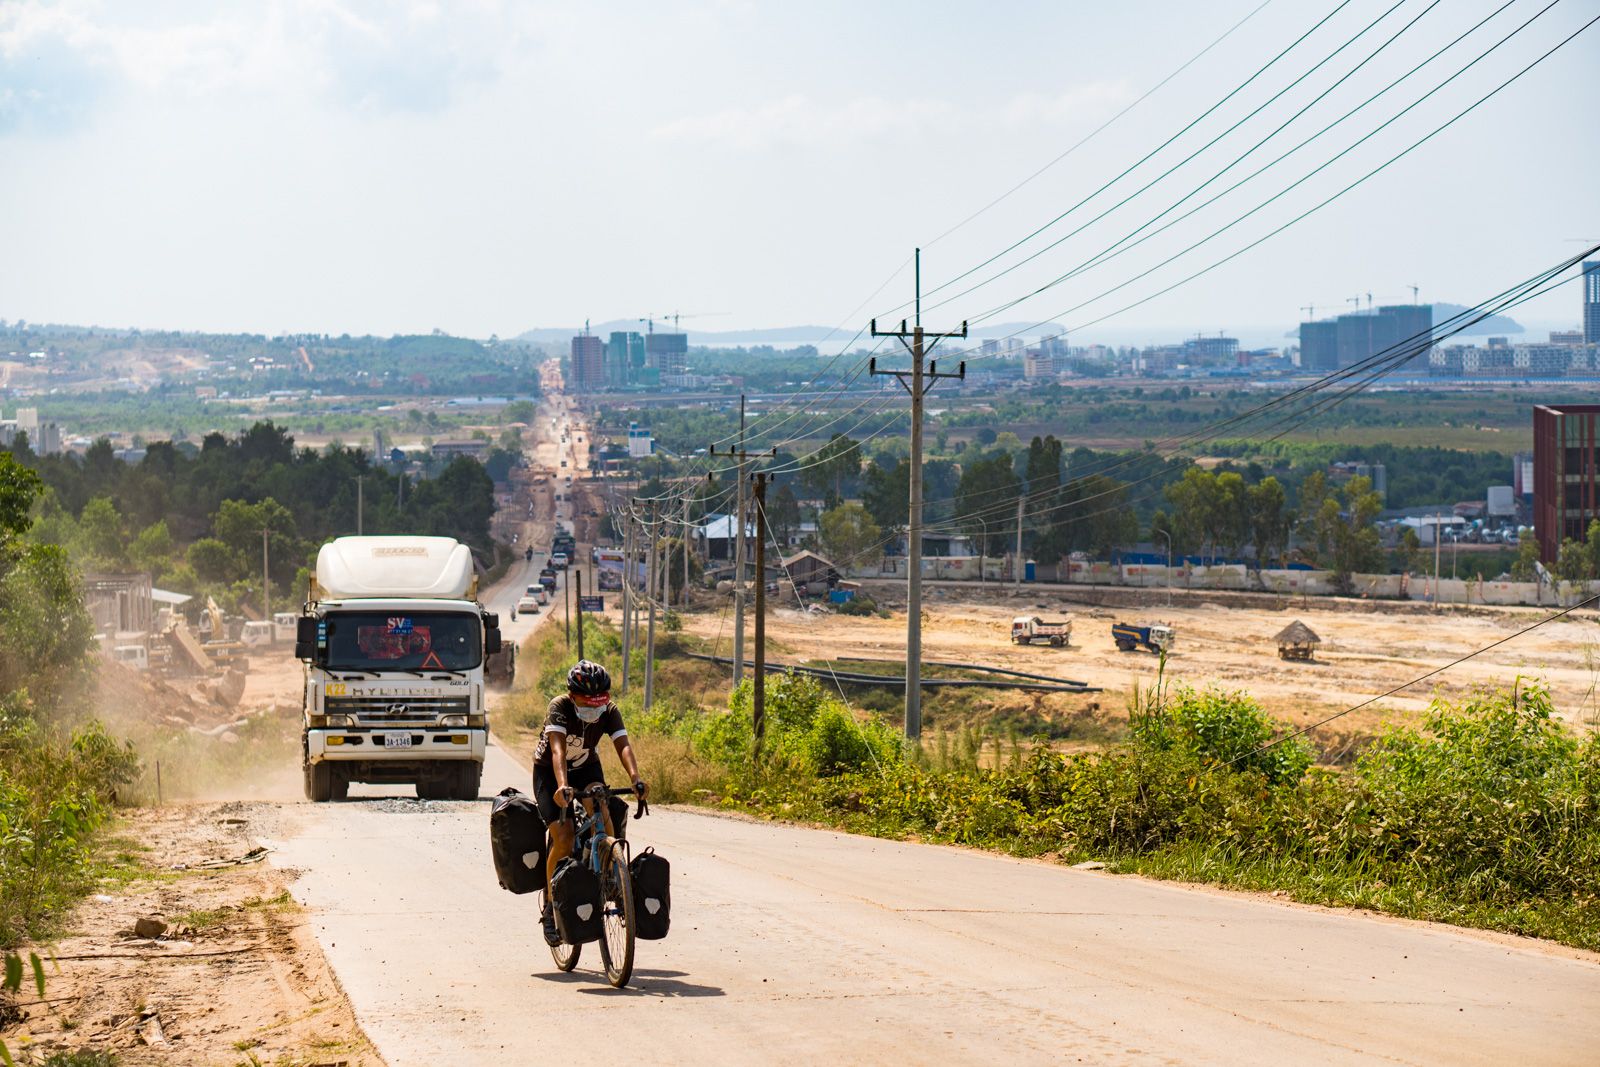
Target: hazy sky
x,y
483,167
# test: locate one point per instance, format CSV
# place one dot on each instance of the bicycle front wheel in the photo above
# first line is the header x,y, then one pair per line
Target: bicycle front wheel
x,y
565,955
616,946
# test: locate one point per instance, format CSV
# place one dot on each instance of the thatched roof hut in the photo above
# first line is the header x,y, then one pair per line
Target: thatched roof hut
x,y
1297,641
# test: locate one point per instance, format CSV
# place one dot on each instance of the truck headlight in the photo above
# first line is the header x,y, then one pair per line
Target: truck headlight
x,y
336,720
452,720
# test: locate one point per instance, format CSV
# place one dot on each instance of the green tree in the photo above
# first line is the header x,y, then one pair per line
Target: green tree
x,y
833,468
1411,554
849,535
1269,518
1355,544
101,533
1524,568
214,561
986,499
152,549
887,494
783,514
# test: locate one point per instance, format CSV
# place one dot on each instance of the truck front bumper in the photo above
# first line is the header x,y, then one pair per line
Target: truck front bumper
x,y
371,746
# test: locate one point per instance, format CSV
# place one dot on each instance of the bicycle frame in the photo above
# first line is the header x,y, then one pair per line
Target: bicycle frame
x,y
589,837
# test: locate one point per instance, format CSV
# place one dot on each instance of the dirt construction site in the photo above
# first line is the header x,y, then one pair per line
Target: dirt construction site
x,y
1367,649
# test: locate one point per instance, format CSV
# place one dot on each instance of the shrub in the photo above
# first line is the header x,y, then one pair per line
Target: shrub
x,y
1220,728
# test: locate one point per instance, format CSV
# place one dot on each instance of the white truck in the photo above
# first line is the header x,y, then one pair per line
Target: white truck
x,y
1032,630
394,643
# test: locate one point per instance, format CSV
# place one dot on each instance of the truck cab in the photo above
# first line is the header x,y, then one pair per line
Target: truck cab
x,y
394,643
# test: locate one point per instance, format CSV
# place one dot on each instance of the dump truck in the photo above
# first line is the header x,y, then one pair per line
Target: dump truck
x,y
1157,638
394,643
1032,630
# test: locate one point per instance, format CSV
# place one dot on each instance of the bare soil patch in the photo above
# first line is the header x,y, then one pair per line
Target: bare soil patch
x,y
237,977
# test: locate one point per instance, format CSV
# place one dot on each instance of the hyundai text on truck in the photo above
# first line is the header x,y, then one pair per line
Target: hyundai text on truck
x,y
394,644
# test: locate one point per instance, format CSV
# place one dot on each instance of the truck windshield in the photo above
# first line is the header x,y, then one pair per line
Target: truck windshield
x,y
379,641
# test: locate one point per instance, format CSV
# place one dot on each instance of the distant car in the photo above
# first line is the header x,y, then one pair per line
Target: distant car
x,y
559,560
541,596
256,635
533,590
528,606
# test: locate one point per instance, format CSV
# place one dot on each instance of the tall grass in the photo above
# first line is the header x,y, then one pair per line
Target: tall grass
x,y
56,789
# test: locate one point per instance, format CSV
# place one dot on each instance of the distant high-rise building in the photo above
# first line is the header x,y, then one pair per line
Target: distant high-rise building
x,y
1401,331
1566,474
624,358
667,352
588,363
1319,346
1211,351
1591,302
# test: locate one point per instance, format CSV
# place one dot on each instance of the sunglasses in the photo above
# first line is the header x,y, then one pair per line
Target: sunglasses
x,y
592,702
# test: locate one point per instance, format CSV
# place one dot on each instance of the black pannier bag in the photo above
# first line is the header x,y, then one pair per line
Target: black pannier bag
x,y
619,816
652,895
516,837
575,895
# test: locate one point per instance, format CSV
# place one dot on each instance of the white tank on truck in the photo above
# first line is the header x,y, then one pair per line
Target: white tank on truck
x,y
394,643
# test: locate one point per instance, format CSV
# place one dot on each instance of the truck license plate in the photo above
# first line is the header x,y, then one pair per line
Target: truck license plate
x,y
396,740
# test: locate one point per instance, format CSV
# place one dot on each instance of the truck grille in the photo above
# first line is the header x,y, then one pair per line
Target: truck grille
x,y
397,711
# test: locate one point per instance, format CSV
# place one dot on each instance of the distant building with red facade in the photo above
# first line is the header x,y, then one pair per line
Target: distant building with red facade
x,y
588,363
1566,474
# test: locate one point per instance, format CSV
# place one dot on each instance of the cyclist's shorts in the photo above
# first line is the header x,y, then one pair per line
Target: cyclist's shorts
x,y
544,786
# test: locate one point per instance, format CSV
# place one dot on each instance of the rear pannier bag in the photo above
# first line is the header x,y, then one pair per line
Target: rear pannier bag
x,y
575,896
652,895
516,837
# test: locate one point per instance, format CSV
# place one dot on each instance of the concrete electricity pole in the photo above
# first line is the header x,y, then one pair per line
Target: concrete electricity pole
x,y
627,596
738,561
916,382
650,629
361,500
738,577
758,701
266,586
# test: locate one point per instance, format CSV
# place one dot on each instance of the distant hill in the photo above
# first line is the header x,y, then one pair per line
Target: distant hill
x,y
780,335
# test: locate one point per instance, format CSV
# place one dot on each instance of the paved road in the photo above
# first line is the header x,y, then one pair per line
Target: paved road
x,y
792,945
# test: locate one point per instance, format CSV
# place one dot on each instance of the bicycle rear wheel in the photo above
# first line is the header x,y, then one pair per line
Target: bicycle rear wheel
x,y
616,946
565,955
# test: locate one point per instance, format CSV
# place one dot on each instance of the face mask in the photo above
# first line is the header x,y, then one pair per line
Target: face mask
x,y
588,714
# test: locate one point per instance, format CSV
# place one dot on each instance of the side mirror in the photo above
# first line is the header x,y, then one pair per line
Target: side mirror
x,y
306,628
491,641
491,620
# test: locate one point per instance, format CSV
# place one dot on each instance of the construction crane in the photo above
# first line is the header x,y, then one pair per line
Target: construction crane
x,y
650,320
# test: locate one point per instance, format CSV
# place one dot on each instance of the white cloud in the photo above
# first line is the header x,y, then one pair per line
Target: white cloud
x,y
57,61
798,119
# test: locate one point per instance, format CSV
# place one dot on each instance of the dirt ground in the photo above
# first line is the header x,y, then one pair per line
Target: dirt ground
x,y
1364,653
237,978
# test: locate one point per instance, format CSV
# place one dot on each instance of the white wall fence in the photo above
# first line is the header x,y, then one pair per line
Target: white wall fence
x,y
1237,576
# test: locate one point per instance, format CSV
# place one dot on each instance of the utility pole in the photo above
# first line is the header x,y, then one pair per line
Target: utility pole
x,y
627,598
758,703
738,562
744,457
577,596
650,631
1439,533
686,550
266,587
1016,567
361,498
566,605
922,342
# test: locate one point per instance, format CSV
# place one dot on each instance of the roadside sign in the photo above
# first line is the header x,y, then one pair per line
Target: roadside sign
x,y
592,603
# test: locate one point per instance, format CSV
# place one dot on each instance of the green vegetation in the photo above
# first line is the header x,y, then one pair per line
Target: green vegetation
x,y
194,517
58,777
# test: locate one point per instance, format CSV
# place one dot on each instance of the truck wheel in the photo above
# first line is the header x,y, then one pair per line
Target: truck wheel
x,y
434,788
1055,642
319,782
339,785
1123,646
469,776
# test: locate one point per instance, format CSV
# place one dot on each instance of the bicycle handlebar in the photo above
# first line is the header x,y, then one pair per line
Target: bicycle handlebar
x,y
597,790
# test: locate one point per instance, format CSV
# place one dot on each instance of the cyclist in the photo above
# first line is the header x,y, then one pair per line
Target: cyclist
x,y
568,759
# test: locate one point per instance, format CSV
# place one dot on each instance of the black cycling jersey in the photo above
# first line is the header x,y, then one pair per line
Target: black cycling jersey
x,y
582,737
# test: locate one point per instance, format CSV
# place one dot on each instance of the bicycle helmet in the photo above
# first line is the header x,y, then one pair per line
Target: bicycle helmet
x,y
589,685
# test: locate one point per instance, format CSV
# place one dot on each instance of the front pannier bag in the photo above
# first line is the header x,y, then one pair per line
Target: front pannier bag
x,y
575,895
516,837
652,895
